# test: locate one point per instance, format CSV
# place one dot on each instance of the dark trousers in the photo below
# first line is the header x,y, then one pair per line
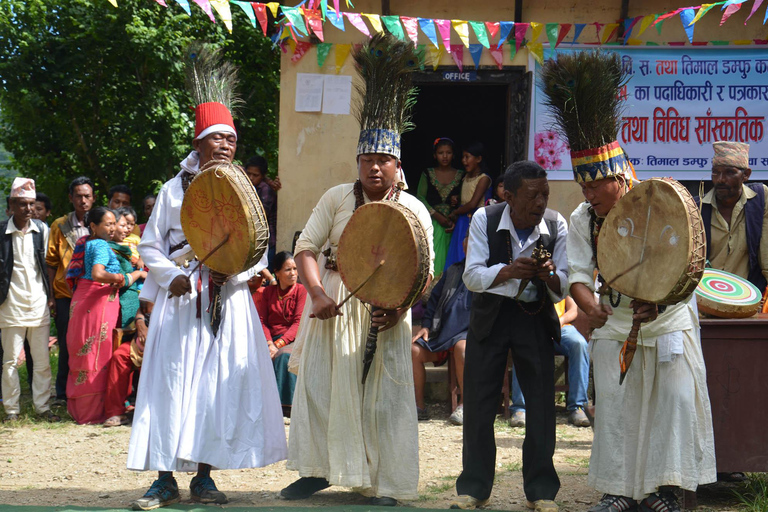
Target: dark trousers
x,y
62,321
484,367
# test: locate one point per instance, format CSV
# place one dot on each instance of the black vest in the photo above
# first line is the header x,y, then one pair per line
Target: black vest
x,y
754,211
6,258
487,306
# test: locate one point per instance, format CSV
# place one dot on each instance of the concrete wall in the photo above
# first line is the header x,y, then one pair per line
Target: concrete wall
x,y
317,151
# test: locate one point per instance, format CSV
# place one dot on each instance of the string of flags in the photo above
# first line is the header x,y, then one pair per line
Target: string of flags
x,y
310,17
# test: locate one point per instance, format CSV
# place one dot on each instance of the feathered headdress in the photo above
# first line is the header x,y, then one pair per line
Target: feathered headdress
x,y
385,95
582,92
212,83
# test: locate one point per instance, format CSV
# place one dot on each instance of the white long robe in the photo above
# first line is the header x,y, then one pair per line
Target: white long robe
x,y
656,428
364,437
201,399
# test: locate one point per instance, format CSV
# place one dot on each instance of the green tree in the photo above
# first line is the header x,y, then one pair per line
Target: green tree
x,y
89,89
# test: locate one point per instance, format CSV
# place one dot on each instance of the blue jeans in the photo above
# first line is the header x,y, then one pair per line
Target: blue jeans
x,y
574,347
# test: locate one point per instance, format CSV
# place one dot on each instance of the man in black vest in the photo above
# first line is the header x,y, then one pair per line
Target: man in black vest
x,y
734,214
512,309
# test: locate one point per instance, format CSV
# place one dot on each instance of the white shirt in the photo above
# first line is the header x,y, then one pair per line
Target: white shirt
x,y
27,303
478,276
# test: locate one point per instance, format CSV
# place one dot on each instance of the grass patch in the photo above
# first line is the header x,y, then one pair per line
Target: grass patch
x,y
433,492
580,462
513,467
753,495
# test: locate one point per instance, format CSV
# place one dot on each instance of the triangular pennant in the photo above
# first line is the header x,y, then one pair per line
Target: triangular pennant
x,y
562,32
294,17
324,9
185,5
205,5
162,2
493,28
421,53
336,19
645,23
427,26
505,28
577,28
766,16
375,21
336,6
411,25
113,2
537,50
462,30
686,16
315,23
634,42
357,21
512,50
224,12
720,43
435,54
342,50
248,10
731,9
520,29
703,9
261,15
755,7
666,15
551,31
729,3
536,29
609,32
457,52
273,6
478,27
742,42
444,26
629,25
476,51
392,23
323,49
658,26
497,52
598,28
301,49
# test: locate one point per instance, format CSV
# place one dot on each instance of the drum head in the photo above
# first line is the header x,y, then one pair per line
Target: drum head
x,y
648,229
379,231
215,204
727,295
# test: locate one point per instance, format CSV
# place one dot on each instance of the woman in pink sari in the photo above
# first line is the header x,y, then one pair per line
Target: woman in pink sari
x,y
95,277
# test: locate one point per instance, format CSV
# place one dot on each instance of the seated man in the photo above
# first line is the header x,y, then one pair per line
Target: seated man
x,y
444,326
574,347
734,215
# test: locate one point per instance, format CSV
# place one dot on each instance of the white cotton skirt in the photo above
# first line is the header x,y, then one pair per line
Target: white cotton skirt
x,y
203,399
363,437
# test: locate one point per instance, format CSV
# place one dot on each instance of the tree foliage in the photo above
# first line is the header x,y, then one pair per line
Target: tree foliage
x,y
87,89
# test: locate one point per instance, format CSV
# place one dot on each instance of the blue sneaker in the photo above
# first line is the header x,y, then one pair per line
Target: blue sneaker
x,y
203,490
163,492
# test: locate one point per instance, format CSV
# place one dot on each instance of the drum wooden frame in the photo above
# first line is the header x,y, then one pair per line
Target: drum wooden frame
x,y
384,230
221,200
652,245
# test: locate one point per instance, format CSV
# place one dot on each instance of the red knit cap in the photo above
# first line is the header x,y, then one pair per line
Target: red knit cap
x,y
213,117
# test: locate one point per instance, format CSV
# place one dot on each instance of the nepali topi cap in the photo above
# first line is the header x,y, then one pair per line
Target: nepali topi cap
x,y
731,154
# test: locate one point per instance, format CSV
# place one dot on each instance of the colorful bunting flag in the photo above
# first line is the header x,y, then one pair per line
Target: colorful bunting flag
x,y
562,32
520,29
421,53
342,50
392,23
476,51
410,25
444,26
261,15
536,29
113,2
629,25
315,23
497,53
427,26
742,42
493,28
357,21
205,5
478,27
551,30
505,28
323,49
462,29
512,50
336,19
646,22
703,9
375,21
658,26
162,2
609,32
295,19
184,5
598,28
273,6
222,8
578,27
248,10
435,54
755,7
457,52
686,17
731,9
301,49
537,50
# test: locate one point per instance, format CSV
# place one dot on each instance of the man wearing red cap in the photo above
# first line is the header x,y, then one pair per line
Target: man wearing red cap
x,y
207,396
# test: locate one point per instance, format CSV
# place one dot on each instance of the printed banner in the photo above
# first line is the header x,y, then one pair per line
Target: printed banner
x,y
678,102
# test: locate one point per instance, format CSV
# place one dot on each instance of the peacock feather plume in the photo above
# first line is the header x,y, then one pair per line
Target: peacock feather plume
x,y
582,93
210,78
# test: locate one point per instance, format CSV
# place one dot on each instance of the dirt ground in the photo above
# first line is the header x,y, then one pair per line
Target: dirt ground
x,y
67,464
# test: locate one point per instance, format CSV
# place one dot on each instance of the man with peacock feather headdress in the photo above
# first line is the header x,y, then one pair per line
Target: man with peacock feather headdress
x,y
207,397
654,433
344,432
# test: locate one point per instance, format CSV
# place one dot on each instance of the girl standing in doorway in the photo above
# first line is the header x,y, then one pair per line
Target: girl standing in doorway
x,y
439,190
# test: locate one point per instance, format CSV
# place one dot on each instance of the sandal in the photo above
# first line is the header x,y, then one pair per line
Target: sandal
x,y
116,421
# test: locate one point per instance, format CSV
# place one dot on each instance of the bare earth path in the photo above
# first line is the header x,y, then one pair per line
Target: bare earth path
x,y
67,464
